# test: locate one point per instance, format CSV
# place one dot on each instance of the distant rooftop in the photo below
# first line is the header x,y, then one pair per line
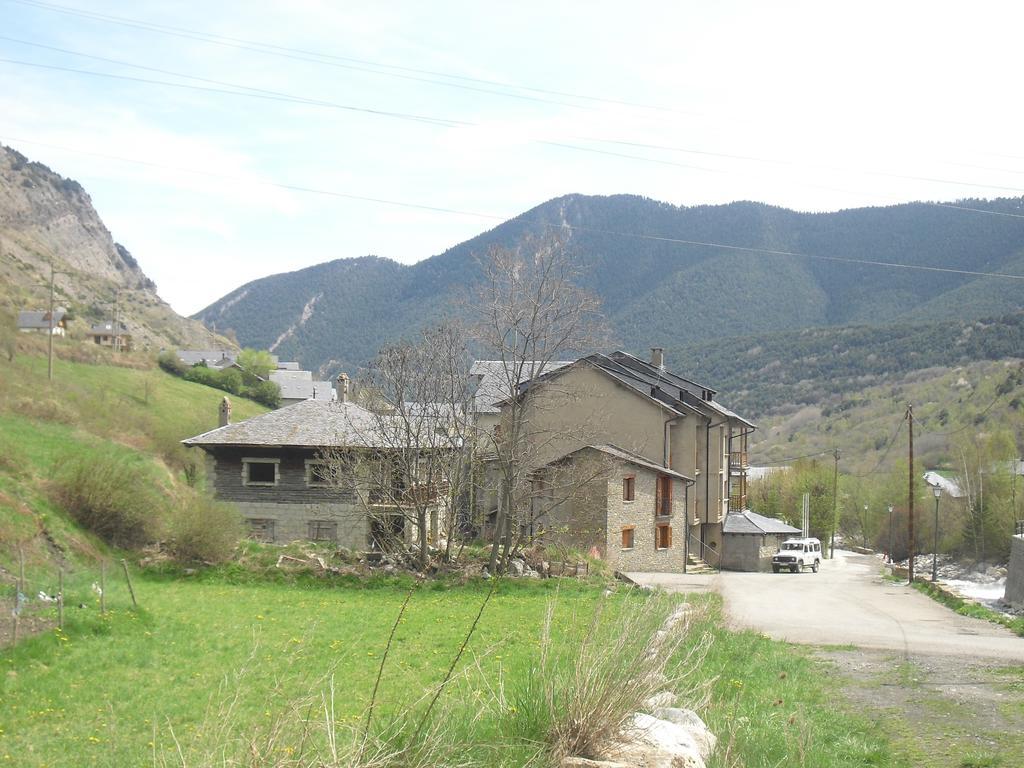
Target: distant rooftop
x,y
39,319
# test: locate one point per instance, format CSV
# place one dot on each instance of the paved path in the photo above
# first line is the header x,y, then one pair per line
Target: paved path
x,y
848,602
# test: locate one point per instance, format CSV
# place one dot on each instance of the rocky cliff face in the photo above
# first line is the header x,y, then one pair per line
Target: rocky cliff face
x,y
44,217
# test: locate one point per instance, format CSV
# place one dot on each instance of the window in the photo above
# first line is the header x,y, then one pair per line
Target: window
x,y
261,529
629,488
663,537
323,530
663,497
627,536
260,471
319,474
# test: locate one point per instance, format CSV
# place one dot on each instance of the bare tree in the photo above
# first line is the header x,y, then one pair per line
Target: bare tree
x,y
530,313
408,463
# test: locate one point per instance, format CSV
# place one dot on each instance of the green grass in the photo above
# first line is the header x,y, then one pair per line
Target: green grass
x,y
968,608
101,690
142,413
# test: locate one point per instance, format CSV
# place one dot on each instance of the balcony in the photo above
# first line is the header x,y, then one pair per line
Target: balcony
x,y
738,461
737,502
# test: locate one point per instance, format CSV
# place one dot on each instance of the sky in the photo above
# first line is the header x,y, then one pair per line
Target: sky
x,y
454,116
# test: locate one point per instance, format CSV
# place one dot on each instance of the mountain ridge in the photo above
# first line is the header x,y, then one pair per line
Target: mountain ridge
x,y
656,291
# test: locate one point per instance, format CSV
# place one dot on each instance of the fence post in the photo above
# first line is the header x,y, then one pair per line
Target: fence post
x,y
128,578
60,598
103,587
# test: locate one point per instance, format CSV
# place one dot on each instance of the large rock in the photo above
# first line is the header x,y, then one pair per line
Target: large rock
x,y
691,721
516,567
583,762
656,743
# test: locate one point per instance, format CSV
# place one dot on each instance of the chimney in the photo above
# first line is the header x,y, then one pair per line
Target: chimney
x,y
342,388
657,357
225,412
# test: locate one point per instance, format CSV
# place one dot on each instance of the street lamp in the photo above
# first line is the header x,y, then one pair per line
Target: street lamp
x,y
935,549
890,533
864,527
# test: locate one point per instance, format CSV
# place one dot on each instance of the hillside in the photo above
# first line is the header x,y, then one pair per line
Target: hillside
x,y
45,216
654,291
951,404
138,414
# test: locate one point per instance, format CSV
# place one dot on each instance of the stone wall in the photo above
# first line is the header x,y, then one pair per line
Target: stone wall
x,y
291,522
748,551
1015,573
639,513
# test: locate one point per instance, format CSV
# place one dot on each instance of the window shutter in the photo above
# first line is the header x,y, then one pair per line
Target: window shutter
x,y
670,536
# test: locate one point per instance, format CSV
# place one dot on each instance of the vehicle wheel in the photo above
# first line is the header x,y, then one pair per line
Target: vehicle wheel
x,y
795,569
775,569
815,566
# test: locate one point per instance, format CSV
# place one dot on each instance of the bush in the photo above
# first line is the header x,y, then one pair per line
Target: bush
x,y
169,362
110,493
203,530
266,393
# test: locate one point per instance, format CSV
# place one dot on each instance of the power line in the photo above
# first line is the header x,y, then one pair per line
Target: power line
x,y
796,254
342,62
983,412
885,454
237,89
570,227
252,93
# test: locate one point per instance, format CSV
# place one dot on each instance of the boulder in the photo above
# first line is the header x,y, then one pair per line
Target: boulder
x,y
691,721
655,743
516,567
583,762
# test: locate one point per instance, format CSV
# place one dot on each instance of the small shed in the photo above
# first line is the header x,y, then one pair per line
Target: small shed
x,y
749,540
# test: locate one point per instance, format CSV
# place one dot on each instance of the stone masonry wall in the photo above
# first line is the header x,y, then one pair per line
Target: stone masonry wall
x,y
291,521
640,514
1015,573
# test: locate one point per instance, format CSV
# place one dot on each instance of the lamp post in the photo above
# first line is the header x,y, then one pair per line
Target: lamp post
x,y
935,549
864,527
890,533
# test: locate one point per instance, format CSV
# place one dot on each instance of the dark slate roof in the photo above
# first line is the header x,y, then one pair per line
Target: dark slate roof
x,y
492,380
208,356
751,522
633,458
39,319
308,424
674,392
102,328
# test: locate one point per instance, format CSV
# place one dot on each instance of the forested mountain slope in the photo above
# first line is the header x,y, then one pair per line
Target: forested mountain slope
x,y
336,315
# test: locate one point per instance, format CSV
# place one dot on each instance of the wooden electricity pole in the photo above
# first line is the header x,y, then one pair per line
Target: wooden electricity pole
x,y
910,497
49,356
835,503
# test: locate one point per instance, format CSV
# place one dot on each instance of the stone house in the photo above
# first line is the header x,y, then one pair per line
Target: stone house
x,y
606,498
653,415
114,335
749,540
39,321
316,470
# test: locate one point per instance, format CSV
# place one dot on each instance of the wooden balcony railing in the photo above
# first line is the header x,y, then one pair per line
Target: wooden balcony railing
x,y
738,460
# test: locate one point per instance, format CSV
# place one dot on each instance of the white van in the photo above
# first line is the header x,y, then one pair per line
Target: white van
x,y
797,554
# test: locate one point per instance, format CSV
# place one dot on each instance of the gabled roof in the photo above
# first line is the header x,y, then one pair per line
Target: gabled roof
x,y
671,391
628,456
751,522
307,424
102,328
493,379
208,356
299,385
39,319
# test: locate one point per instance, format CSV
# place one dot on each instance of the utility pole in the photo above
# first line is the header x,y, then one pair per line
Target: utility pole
x,y
49,354
835,503
910,497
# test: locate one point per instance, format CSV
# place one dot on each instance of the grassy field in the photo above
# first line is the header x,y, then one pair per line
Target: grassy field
x,y
118,691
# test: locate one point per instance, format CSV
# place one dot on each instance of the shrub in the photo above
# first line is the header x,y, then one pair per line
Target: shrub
x,y
110,493
169,362
266,393
203,530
